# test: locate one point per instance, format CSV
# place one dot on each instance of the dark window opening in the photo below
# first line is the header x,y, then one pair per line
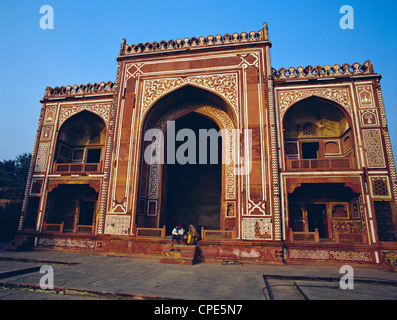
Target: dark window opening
x,y
93,155
315,214
86,213
384,220
310,150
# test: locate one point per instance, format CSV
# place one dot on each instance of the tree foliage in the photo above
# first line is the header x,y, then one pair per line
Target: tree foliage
x,y
14,173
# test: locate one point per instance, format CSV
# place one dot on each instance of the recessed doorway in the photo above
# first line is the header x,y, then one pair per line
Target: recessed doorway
x,y
193,190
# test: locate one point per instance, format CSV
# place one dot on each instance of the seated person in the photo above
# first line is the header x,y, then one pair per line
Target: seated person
x,y
177,233
192,235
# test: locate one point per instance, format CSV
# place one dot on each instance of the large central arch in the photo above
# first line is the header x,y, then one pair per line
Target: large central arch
x,y
186,102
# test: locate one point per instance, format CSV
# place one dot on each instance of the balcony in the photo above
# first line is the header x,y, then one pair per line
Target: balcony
x,y
77,168
320,164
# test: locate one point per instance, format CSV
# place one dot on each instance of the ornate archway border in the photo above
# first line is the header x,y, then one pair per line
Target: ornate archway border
x,y
225,85
286,98
102,110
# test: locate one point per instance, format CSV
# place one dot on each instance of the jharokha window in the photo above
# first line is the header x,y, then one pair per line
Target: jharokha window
x,y
317,136
80,144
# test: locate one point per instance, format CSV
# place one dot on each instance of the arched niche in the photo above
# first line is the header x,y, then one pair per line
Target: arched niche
x,y
80,141
316,128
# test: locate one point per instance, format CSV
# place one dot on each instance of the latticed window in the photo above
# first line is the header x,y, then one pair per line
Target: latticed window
x,y
309,129
379,187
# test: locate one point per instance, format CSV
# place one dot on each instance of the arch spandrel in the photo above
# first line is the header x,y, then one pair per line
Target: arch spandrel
x,y
319,114
341,96
225,86
101,110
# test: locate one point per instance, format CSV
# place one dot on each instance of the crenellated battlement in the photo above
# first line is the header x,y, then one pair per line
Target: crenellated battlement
x,y
334,71
218,40
83,89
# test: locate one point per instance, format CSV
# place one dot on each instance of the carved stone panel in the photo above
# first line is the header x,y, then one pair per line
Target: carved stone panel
x,y
257,229
374,148
117,224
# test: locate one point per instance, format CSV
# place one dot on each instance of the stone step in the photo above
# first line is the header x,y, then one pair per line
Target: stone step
x,y
20,242
389,258
176,260
11,248
178,254
179,248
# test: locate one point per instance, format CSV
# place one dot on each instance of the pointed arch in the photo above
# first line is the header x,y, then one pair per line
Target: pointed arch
x,y
185,100
101,110
318,132
80,143
340,96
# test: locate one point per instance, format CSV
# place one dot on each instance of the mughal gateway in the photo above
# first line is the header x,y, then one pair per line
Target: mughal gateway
x,y
303,168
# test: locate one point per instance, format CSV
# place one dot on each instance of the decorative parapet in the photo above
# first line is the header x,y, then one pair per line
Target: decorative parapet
x,y
81,90
218,40
327,71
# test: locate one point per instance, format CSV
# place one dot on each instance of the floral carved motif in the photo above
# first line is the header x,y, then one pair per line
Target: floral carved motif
x,y
49,115
257,228
369,117
102,110
223,84
117,224
289,97
365,96
46,133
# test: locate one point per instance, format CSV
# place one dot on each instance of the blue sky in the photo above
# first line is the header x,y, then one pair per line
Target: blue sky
x,y
85,41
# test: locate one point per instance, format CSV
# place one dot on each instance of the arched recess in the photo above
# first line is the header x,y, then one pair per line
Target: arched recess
x,y
80,144
182,102
328,207
317,128
74,206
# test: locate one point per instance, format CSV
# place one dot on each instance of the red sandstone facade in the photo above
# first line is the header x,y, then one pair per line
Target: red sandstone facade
x,y
322,178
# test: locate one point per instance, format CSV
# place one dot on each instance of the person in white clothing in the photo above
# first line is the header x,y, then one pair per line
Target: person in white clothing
x,y
177,233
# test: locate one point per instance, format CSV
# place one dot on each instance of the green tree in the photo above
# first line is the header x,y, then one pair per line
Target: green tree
x,y
14,173
13,176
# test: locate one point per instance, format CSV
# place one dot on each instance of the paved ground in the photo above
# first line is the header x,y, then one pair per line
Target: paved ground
x,y
90,277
